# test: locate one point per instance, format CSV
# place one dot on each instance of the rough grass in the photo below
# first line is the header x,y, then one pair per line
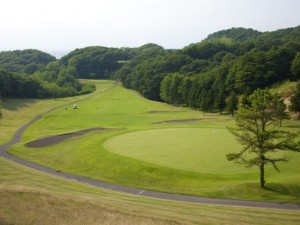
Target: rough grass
x,y
285,88
32,197
23,207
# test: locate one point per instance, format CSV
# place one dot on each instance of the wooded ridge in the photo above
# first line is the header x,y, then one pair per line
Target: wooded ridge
x,y
208,75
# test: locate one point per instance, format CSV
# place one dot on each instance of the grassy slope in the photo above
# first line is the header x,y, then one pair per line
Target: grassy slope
x,y
127,111
31,197
17,112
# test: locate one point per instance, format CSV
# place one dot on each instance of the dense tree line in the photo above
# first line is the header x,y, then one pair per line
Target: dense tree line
x,y
211,75
37,86
97,62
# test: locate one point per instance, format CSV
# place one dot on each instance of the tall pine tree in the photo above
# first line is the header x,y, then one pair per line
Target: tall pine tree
x,y
257,131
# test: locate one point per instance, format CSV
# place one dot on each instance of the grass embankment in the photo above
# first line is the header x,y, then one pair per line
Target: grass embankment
x,y
101,154
29,197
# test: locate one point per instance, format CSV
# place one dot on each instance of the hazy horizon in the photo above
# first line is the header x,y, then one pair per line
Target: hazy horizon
x,y
61,26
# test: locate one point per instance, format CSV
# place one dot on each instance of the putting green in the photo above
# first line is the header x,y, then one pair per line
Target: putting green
x,y
192,149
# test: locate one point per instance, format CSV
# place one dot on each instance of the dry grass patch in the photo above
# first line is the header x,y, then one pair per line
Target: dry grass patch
x,y
22,207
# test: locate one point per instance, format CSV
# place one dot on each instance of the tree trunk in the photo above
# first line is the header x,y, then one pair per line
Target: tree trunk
x,y
262,173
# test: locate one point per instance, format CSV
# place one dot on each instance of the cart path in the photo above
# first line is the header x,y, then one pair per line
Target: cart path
x,y
129,190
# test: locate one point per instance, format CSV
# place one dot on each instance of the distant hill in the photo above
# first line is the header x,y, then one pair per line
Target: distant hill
x,y
102,62
95,62
237,34
24,61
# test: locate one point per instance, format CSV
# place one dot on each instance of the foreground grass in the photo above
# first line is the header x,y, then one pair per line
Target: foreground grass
x,y
31,197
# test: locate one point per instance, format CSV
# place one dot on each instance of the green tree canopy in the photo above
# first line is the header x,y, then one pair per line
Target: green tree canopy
x,y
25,61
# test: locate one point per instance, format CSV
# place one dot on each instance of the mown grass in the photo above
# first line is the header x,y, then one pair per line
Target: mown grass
x,y
118,108
17,112
32,197
193,152
127,112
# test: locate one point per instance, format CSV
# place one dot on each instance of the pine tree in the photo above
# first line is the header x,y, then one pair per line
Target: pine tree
x,y
256,131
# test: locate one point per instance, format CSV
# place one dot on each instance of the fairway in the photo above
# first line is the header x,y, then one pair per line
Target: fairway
x,y
150,145
192,149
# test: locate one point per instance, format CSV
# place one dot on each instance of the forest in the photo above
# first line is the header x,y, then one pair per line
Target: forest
x,y
210,75
35,74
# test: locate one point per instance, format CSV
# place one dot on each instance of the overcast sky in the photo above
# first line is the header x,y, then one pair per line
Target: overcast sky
x,y
51,25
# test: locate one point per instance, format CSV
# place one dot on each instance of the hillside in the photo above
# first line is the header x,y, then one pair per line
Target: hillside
x,y
209,75
237,34
228,64
25,61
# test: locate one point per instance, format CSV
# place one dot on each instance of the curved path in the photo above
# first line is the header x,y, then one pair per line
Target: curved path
x,y
134,191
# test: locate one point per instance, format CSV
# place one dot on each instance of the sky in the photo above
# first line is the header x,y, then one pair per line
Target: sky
x,y
64,25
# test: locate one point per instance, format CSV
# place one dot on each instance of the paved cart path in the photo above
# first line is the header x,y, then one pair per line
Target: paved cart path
x,y
134,191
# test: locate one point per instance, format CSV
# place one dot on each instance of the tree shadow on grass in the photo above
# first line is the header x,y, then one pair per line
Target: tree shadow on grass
x,y
292,126
16,104
292,190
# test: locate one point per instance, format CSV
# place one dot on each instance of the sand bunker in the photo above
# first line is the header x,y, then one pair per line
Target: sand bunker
x,y
53,140
162,111
178,121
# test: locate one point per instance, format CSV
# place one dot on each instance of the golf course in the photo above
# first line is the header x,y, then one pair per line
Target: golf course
x,y
117,136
